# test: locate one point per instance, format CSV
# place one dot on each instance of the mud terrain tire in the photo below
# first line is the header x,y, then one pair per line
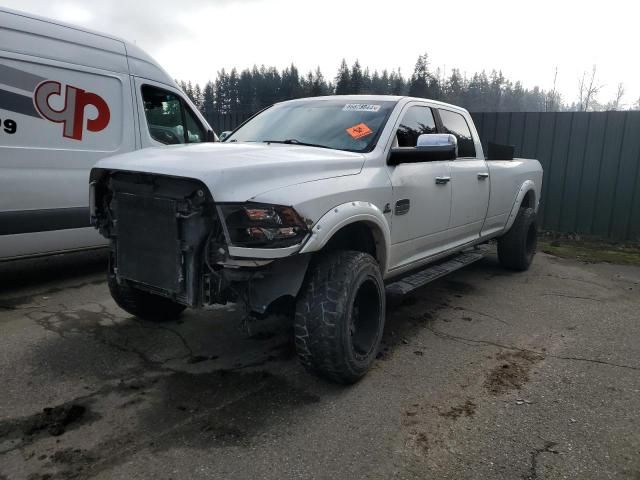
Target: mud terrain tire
x,y
517,247
340,315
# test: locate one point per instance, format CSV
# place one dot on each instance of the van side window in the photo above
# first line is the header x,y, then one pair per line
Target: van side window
x,y
170,120
455,124
416,121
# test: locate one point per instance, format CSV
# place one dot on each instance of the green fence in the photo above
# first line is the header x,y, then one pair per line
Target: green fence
x,y
591,166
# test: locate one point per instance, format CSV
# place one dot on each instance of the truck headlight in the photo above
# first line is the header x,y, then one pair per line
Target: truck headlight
x,y
256,225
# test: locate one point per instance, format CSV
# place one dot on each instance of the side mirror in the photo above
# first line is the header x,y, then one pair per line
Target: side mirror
x,y
211,136
431,147
224,135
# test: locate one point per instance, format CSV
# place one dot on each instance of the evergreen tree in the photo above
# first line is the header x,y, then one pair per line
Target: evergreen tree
x,y
419,83
319,85
208,101
397,83
497,84
220,89
455,88
233,95
247,101
189,91
366,81
268,86
385,83
198,101
290,87
343,79
357,79
377,86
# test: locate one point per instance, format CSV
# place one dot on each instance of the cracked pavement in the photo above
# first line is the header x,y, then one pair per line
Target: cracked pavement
x,y
483,374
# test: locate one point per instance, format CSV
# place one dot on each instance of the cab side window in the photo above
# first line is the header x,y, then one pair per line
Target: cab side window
x,y
416,121
170,121
455,124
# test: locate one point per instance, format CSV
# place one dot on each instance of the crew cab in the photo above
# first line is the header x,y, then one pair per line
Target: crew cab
x,y
313,206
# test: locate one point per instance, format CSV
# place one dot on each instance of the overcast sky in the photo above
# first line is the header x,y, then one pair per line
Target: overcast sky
x,y
193,39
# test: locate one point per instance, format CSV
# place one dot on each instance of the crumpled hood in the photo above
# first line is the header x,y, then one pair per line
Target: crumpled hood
x,y
240,171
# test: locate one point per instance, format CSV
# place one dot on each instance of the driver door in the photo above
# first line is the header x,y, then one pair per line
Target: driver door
x,y
421,195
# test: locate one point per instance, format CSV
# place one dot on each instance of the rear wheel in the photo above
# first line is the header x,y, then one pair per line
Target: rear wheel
x,y
340,316
141,304
517,247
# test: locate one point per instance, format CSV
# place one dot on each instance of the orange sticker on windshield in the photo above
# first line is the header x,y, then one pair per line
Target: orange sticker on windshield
x,y
359,131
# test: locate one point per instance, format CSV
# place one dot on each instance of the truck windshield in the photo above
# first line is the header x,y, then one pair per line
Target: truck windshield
x,y
352,125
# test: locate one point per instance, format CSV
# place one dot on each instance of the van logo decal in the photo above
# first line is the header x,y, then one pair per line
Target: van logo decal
x,y
72,116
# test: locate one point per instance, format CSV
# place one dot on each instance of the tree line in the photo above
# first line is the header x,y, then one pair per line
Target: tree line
x,y
247,91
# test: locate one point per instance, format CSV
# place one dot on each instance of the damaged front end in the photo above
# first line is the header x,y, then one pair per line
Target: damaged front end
x,y
169,238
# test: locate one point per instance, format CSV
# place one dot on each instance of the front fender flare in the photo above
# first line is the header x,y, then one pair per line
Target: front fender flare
x,y
346,214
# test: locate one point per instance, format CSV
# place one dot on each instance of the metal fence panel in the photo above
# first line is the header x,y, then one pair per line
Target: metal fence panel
x,y
591,171
592,166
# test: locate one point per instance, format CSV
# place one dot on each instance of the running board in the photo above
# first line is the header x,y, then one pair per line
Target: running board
x,y
434,271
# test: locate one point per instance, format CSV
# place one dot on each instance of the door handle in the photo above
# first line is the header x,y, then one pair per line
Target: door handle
x,y
483,175
442,180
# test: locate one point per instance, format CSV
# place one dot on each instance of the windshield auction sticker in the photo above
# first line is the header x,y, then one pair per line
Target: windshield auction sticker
x,y
360,107
359,131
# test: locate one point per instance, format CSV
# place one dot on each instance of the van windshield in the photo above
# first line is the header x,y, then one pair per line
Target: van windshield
x,y
350,125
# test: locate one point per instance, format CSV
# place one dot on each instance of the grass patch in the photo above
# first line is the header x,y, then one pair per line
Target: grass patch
x,y
591,251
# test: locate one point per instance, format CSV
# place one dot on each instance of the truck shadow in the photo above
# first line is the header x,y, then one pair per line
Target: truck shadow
x,y
44,276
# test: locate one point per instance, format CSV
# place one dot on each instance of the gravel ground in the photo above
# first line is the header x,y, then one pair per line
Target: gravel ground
x,y
483,374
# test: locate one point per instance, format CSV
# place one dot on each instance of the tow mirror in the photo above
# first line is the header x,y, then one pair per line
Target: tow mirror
x,y
431,147
224,135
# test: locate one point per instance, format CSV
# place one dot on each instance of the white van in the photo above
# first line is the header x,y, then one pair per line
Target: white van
x,y
69,97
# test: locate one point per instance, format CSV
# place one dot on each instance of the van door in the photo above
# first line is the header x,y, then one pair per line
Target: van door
x,y
469,181
57,120
166,117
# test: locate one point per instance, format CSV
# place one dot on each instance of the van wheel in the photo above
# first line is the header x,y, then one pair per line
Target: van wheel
x,y
340,316
147,306
517,247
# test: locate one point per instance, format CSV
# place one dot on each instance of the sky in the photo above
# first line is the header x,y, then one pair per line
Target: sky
x,y
194,39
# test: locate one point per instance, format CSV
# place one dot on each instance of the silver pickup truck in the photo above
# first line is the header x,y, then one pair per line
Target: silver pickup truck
x,y
313,207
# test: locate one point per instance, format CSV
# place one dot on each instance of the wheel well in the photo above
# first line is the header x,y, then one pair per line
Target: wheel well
x,y
360,237
529,200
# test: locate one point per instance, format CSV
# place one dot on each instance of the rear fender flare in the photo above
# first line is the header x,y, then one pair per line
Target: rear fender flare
x,y
526,187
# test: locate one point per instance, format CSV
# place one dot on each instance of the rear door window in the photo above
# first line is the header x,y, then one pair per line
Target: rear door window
x,y
416,121
455,124
169,119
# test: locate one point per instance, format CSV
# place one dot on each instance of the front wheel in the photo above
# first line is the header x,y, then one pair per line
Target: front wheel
x,y
340,316
517,247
